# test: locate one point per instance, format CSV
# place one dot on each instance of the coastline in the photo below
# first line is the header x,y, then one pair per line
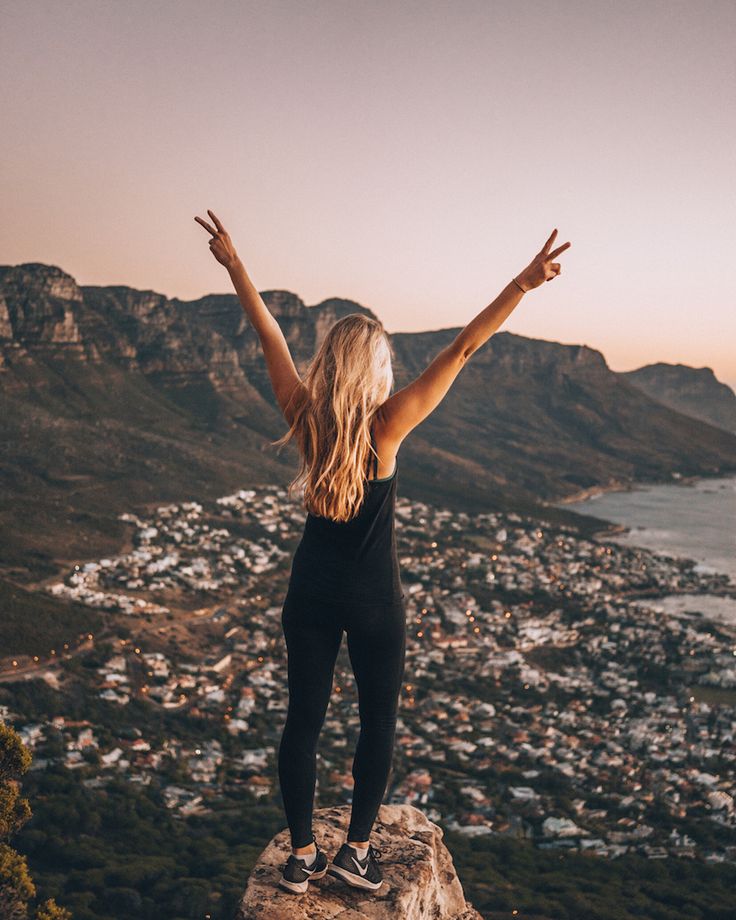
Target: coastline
x,y
635,484
593,491
614,529
672,539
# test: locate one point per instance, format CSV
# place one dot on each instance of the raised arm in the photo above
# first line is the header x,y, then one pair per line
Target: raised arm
x,y
281,369
412,404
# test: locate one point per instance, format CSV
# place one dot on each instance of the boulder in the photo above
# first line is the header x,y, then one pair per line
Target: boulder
x,y
419,878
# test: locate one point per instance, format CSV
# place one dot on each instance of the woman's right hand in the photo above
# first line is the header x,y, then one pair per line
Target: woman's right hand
x,y
542,267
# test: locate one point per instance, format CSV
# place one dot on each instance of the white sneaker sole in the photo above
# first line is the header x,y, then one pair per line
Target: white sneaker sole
x,y
300,887
293,887
352,879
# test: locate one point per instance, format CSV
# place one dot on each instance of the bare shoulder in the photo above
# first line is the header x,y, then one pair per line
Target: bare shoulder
x,y
387,445
409,406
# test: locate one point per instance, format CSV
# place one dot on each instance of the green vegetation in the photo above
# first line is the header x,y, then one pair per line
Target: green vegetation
x,y
16,886
117,853
500,874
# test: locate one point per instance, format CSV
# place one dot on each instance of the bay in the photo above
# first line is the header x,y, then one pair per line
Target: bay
x,y
692,520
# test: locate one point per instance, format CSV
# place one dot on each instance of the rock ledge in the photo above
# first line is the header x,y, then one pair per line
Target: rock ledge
x,y
419,878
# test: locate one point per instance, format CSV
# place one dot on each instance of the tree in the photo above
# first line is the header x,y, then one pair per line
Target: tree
x,y
16,885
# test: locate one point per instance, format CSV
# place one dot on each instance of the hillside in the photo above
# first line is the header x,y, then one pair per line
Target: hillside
x,y
114,398
694,391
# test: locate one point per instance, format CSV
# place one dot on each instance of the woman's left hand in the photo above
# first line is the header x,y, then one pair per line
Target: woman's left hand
x,y
221,246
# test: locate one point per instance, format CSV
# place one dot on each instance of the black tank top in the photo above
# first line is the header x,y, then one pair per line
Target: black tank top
x,y
352,560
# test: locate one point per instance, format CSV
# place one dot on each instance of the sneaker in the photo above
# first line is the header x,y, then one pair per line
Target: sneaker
x,y
296,875
360,873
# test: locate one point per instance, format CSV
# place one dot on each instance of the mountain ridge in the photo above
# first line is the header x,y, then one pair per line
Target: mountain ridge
x,y
112,396
694,391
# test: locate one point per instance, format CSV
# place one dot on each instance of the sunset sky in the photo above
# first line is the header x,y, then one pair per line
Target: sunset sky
x,y
410,156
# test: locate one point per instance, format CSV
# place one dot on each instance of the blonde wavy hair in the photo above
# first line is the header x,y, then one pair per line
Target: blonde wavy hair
x,y
346,381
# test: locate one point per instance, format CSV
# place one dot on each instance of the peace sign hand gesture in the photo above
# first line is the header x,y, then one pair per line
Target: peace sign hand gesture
x,y
542,267
221,245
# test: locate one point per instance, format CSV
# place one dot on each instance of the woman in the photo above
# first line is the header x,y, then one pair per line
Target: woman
x,y
345,572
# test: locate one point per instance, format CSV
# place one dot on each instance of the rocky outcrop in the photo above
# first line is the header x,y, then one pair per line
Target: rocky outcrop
x,y
419,878
39,304
43,306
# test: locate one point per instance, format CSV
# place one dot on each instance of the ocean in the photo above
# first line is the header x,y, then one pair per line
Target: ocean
x,y
693,520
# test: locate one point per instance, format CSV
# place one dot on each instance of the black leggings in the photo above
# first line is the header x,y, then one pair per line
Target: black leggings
x,y
376,645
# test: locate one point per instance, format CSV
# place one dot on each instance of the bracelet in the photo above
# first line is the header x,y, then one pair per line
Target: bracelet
x,y
519,286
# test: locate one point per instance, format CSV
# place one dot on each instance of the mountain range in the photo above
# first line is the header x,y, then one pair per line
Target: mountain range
x,y
114,398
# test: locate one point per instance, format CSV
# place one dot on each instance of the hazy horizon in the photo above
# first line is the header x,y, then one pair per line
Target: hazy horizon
x,y
410,157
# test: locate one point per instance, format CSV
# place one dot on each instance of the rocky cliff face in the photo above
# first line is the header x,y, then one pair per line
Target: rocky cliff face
x,y
420,882
40,305
112,396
